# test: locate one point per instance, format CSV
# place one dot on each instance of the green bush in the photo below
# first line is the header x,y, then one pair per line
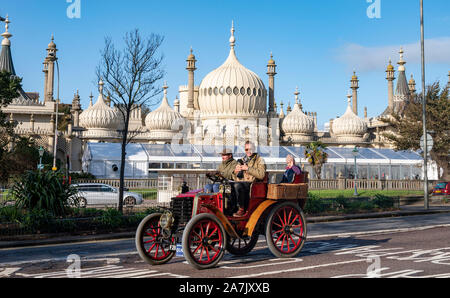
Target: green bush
x,y
383,201
44,190
314,204
10,214
38,220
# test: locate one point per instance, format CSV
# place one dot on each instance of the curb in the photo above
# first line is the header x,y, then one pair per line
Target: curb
x,y
49,239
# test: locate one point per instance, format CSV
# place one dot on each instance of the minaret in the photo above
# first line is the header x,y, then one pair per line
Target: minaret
x,y
354,85
75,110
49,70
190,67
412,85
390,77
271,71
281,115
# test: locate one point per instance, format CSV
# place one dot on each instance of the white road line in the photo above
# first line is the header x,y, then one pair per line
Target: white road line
x,y
401,230
297,269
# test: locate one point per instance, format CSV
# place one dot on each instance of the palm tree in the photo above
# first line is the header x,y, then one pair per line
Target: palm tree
x,y
316,155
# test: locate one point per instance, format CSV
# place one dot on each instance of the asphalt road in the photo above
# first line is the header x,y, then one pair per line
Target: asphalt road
x,y
411,246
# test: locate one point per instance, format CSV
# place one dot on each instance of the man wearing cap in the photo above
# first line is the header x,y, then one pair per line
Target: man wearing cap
x,y
226,169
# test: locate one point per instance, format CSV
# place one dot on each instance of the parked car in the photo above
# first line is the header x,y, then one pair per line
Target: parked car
x,y
104,194
442,188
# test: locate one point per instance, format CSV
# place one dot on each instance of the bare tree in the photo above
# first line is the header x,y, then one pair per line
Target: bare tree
x,y
130,76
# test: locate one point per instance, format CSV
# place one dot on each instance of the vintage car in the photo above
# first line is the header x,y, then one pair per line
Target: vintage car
x,y
204,224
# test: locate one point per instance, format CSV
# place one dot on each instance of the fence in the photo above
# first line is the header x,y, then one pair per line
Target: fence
x,y
195,181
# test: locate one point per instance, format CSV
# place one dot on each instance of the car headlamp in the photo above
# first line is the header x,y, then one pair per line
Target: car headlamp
x,y
166,220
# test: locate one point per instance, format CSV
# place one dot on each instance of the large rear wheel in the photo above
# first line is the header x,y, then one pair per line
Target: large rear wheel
x,y
286,230
152,244
204,239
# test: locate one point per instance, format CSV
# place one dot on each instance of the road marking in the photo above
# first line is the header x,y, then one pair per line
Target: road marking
x,y
8,271
298,269
401,230
108,271
288,261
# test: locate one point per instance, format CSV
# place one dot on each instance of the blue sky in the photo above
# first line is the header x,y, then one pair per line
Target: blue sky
x,y
316,44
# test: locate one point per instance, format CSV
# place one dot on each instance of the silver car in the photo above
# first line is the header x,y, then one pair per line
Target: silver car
x,y
104,194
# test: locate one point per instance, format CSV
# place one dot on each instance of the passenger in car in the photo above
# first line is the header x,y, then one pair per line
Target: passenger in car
x,y
291,170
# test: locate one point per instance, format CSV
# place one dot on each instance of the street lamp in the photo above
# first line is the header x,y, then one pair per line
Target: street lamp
x,y
355,153
41,153
56,124
424,118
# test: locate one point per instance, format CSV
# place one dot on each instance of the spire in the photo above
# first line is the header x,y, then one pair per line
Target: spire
x,y
232,38
165,100
401,62
402,90
296,93
100,86
6,62
6,35
90,101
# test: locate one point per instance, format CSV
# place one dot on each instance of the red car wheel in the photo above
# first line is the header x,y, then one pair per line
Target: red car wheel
x,y
151,243
286,230
204,241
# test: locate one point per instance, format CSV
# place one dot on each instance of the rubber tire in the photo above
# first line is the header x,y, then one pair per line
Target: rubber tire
x,y
133,201
82,202
140,245
185,240
246,249
270,243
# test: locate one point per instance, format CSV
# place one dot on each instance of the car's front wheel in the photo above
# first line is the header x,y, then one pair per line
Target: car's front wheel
x,y
82,202
130,201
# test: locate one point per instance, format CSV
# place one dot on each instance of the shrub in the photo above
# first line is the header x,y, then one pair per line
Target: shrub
x,y
383,201
314,204
38,220
44,190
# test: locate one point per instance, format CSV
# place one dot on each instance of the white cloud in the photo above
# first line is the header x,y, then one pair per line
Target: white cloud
x,y
437,50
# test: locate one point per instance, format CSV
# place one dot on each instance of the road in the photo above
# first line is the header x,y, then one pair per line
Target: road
x,y
411,246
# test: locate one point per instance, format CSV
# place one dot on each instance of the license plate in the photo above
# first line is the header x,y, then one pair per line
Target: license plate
x,y
437,191
179,251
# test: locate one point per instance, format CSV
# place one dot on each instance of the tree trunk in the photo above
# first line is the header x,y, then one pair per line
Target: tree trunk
x,y
122,160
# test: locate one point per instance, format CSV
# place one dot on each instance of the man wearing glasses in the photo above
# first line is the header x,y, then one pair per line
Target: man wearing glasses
x,y
250,168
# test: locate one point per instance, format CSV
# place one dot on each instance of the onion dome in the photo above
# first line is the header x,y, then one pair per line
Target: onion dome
x,y
297,126
232,90
100,119
52,44
162,121
390,67
349,127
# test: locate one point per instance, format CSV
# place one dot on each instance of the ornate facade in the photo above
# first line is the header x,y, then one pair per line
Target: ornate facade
x,y
231,105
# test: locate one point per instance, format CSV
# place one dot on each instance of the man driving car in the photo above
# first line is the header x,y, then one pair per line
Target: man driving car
x,y
226,169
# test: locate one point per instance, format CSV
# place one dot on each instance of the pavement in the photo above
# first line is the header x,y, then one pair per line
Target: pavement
x,y
49,239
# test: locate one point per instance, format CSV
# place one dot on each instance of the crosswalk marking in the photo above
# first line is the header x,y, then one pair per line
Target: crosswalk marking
x,y
108,271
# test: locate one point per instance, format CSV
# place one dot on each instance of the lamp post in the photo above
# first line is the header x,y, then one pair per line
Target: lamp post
x,y
424,118
41,153
56,125
355,153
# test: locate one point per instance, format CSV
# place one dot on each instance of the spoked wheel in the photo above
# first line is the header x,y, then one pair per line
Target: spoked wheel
x,y
286,230
242,246
204,241
151,243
